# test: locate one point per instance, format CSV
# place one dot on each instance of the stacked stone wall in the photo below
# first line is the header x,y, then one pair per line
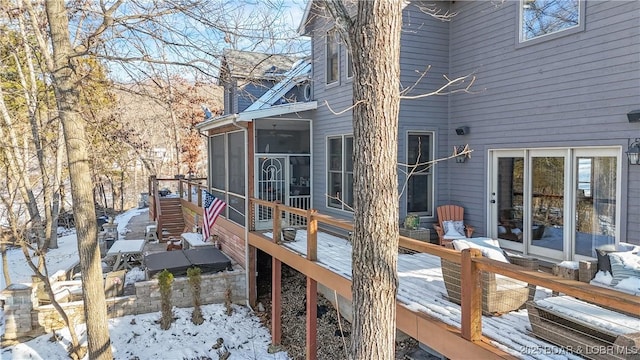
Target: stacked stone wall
x,y
25,318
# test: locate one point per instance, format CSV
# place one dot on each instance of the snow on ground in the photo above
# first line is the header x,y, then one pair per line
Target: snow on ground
x,y
140,336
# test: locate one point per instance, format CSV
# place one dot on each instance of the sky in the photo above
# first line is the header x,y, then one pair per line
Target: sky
x,y
140,336
268,26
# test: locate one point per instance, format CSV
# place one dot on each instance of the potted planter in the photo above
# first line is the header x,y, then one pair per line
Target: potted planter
x,y
289,234
412,222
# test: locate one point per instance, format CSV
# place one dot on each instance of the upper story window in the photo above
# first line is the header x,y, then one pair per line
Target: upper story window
x,y
332,56
540,18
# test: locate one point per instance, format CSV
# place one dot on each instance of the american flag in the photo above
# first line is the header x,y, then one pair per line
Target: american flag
x,y
212,208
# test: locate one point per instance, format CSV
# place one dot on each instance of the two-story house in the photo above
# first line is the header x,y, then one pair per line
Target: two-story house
x,y
550,119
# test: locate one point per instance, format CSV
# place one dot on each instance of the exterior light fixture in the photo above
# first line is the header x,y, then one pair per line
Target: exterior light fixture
x,y
462,130
634,152
633,116
461,153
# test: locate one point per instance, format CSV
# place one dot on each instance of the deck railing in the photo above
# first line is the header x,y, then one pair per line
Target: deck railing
x,y
474,269
187,189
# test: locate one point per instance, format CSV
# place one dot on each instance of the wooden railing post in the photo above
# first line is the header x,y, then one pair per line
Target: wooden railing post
x,y
200,196
276,223
189,190
312,235
180,187
471,297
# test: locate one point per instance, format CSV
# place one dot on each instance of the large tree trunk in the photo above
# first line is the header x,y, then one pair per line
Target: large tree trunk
x,y
375,41
66,84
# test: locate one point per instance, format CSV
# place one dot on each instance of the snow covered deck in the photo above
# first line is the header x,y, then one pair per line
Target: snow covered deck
x,y
421,289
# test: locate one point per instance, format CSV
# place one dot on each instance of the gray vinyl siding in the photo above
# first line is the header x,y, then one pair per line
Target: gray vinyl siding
x,y
569,91
424,43
250,92
325,123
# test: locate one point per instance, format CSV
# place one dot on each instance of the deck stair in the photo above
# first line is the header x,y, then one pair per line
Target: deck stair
x,y
171,218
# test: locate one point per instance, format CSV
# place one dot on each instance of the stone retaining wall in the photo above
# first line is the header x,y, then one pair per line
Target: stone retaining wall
x,y
24,318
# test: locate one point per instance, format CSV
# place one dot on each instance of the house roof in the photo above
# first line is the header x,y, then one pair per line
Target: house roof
x,y
268,105
302,28
249,116
299,73
246,64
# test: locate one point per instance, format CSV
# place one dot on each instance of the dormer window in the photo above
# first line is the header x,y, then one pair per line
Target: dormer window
x,y
332,56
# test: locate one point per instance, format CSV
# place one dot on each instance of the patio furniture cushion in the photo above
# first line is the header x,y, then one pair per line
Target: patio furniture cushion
x,y
453,229
490,248
624,265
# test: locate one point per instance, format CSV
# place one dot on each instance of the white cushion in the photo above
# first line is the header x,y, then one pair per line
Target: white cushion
x,y
490,248
451,231
624,265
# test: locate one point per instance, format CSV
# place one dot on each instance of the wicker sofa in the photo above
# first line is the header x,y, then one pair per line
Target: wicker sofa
x,y
578,326
500,294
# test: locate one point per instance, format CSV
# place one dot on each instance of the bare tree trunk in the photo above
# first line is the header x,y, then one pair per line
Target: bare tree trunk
x,y
121,190
5,261
30,90
65,83
18,167
375,40
57,193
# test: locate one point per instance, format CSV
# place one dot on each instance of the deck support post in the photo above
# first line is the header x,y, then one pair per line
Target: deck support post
x,y
252,280
276,301
312,235
312,319
471,297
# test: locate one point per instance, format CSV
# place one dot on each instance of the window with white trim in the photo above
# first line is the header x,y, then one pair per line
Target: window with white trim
x,y
420,182
545,17
332,59
340,172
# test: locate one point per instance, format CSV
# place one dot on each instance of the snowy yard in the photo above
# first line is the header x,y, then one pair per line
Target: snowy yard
x,y
140,336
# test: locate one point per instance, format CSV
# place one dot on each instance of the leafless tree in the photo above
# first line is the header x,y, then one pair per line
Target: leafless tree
x,y
372,30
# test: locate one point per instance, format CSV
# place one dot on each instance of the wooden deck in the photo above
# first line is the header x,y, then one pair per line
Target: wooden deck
x,y
421,290
423,309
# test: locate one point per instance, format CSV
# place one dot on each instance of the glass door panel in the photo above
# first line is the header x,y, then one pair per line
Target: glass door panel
x,y
509,198
595,205
547,203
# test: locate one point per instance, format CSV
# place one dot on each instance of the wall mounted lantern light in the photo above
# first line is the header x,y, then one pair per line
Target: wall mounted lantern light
x,y
634,152
462,153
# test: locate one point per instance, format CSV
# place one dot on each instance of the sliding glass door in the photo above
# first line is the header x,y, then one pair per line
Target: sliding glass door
x,y
555,203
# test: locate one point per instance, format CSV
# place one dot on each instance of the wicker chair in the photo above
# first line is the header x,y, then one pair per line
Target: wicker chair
x,y
453,213
500,294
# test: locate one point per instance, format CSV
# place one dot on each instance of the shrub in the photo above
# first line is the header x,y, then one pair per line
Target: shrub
x,y
195,281
165,279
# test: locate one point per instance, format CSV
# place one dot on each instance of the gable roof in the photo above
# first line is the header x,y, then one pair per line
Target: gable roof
x,y
302,28
299,74
268,105
253,65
